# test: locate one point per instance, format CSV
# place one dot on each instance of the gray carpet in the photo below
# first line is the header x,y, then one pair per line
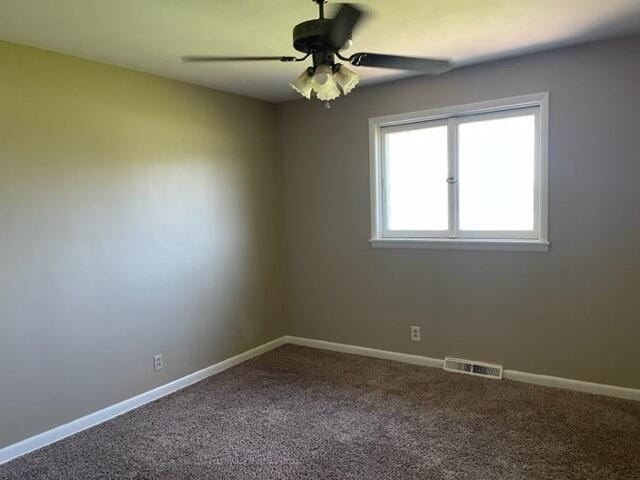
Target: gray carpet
x,y
299,413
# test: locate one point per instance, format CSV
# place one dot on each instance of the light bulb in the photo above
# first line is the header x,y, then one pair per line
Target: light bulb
x,y
346,79
322,75
324,83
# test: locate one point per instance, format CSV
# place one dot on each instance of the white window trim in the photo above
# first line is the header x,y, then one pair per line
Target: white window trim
x,y
378,237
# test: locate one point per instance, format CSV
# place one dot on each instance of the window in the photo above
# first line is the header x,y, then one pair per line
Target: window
x,y
465,177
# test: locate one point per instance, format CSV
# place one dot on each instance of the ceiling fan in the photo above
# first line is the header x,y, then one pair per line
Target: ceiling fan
x,y
323,39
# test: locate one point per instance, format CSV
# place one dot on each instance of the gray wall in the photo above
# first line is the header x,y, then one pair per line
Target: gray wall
x,y
572,312
138,215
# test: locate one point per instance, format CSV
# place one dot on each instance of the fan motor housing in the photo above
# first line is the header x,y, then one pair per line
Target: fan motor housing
x,y
312,36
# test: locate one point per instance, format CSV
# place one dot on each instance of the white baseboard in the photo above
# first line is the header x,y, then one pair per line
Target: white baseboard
x,y
46,438
537,379
367,352
570,384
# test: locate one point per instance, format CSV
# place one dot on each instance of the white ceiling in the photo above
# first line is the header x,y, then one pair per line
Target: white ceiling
x,y
151,35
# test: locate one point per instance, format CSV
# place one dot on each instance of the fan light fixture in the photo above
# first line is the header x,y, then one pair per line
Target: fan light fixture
x,y
325,82
325,40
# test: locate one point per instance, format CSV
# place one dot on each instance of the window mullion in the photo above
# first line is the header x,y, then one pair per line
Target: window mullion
x,y
384,174
452,180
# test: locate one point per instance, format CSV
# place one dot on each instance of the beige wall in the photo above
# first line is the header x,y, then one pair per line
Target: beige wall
x,y
138,215
572,312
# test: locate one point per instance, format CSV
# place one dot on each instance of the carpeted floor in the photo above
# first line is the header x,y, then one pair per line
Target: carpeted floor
x,y
299,413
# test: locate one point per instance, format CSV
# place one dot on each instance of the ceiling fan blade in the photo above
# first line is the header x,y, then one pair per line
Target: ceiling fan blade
x,y
378,60
343,24
209,58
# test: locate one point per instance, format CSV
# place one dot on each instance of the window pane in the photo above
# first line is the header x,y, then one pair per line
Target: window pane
x,y
496,174
416,187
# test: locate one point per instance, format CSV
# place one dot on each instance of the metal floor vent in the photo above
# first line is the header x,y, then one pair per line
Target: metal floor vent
x,y
470,367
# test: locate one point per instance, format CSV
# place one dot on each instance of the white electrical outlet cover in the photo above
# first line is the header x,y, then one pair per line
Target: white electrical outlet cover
x,y
415,334
157,362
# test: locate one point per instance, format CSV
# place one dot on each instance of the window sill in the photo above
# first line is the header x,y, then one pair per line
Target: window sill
x,y
462,244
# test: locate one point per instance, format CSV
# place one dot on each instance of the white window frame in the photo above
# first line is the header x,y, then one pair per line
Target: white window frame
x,y
537,103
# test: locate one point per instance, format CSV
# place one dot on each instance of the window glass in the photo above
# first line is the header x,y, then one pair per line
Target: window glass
x,y
496,171
416,171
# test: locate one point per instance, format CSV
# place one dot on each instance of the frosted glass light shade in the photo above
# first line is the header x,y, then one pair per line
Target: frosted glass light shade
x,y
346,79
303,84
